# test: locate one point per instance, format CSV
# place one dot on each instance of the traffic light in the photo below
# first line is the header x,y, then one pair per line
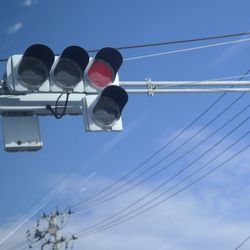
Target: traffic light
x,y
30,72
102,70
68,69
105,99
38,70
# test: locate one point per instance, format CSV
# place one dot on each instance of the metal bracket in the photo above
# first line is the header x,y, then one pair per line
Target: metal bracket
x,y
150,86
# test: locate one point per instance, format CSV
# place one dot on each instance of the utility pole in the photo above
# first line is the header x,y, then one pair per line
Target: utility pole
x,y
47,232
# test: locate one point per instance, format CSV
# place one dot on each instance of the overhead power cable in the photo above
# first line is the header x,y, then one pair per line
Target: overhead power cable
x,y
96,199
125,217
178,173
161,149
171,196
114,193
138,46
242,243
200,39
174,176
91,199
153,155
186,49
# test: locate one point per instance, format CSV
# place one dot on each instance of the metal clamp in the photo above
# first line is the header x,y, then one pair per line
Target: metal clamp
x,y
150,86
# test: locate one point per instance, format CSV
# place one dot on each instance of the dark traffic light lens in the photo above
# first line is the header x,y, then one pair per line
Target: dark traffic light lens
x,y
67,73
106,112
100,74
32,72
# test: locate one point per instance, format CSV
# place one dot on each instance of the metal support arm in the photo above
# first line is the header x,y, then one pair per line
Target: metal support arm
x,y
36,103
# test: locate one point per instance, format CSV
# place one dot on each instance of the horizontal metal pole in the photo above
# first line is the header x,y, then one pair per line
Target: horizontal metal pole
x,y
183,83
175,91
37,102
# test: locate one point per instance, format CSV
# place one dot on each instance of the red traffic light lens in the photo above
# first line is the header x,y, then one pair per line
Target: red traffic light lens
x,y
100,74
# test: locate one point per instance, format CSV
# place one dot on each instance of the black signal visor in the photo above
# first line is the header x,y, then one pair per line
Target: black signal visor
x,y
69,70
109,106
35,65
104,67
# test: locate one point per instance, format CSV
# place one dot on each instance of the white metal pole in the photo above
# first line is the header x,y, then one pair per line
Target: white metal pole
x,y
183,83
175,91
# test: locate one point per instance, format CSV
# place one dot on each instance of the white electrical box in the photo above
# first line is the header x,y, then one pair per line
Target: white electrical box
x,y
21,133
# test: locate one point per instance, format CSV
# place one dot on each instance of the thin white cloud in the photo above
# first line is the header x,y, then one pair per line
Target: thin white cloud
x,y
70,183
130,128
20,225
229,54
29,3
14,28
184,223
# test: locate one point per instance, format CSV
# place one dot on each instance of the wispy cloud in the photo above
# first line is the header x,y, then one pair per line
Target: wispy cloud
x,y
182,223
185,222
20,225
29,3
14,28
129,129
230,54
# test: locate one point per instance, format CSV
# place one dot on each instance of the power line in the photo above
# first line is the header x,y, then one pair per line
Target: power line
x,y
165,167
242,243
138,46
100,200
178,173
171,196
47,232
181,41
159,150
181,171
172,140
154,154
186,49
123,218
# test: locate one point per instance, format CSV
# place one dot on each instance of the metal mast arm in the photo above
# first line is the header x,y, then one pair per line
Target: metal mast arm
x,y
37,102
168,87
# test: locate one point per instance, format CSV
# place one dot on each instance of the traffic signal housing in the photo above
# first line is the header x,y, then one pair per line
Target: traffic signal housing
x,y
30,72
39,70
105,99
102,70
103,112
68,70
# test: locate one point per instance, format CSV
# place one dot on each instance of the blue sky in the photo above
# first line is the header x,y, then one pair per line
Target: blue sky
x,y
73,164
